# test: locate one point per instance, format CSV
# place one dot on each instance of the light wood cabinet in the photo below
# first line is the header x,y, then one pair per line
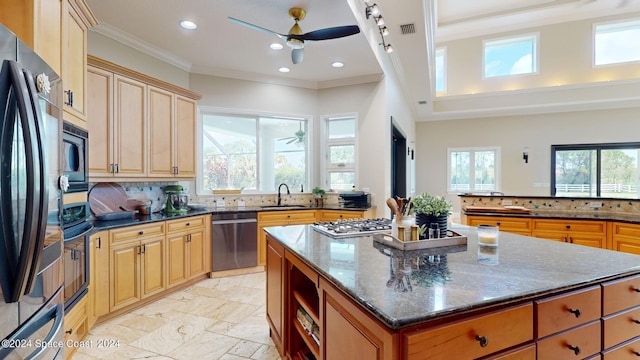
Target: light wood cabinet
x,y
276,301
172,127
582,232
625,237
333,215
514,225
77,19
188,247
76,326
98,302
279,218
137,265
38,23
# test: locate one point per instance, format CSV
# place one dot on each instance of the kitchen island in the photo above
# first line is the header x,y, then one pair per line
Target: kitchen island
x,y
361,299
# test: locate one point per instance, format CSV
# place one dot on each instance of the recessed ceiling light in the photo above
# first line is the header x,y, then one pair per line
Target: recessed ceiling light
x,y
337,64
284,69
276,46
189,25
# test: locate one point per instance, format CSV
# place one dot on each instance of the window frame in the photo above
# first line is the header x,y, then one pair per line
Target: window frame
x,y
593,42
326,166
535,56
472,150
598,147
443,50
202,110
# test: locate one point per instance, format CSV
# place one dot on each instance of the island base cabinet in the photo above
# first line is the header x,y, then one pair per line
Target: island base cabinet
x,y
578,343
275,293
348,332
626,351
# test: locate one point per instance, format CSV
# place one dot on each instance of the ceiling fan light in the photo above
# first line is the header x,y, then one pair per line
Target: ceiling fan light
x,y
295,43
189,25
276,46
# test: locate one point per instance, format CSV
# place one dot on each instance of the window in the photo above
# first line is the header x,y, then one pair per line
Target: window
x,y
340,169
474,169
441,70
595,170
613,42
510,56
253,152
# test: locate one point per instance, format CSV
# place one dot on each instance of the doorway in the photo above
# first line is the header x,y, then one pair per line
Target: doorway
x,y
398,161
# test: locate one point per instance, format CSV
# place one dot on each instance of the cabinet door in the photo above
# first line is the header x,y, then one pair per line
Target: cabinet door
x,y
550,235
275,292
177,251
129,127
152,276
161,133
100,115
74,63
199,253
100,273
124,274
333,215
594,240
185,140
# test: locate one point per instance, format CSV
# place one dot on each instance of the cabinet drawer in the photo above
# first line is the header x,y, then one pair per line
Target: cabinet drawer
x,y
620,294
472,338
135,232
185,223
625,229
287,216
577,343
330,215
565,311
621,327
522,353
76,314
570,225
626,351
504,223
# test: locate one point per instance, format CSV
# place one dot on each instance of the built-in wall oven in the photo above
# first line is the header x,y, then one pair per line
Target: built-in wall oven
x,y
74,157
77,230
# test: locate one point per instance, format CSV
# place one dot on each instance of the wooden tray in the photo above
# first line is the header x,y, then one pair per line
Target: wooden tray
x,y
392,241
107,197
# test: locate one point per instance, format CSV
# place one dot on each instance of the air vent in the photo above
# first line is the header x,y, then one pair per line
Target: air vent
x,y
408,29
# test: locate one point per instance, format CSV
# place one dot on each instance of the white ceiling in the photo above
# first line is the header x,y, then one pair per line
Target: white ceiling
x,y
221,47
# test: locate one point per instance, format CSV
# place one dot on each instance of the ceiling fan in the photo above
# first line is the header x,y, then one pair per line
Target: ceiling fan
x,y
298,137
295,38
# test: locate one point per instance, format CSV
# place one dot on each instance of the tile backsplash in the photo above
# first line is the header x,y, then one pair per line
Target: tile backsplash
x,y
541,204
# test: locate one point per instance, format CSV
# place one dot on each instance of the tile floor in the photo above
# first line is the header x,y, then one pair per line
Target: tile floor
x,y
222,318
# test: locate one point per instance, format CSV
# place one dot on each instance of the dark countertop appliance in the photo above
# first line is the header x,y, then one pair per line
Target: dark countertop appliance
x,y
31,309
356,199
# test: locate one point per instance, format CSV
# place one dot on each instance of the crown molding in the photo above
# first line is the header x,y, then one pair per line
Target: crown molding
x,y
141,45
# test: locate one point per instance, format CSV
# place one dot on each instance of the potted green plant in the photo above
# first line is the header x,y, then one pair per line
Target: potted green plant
x,y
318,194
431,210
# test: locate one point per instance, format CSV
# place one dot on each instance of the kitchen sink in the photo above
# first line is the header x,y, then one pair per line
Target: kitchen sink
x,y
283,206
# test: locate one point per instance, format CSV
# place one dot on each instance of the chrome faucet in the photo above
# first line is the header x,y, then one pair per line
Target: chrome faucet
x,y
279,187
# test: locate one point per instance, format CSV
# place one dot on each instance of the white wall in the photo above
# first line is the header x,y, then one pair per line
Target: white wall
x,y
512,134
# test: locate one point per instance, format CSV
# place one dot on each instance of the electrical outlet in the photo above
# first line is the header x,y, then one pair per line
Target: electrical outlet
x,y
507,202
241,203
595,204
365,189
220,203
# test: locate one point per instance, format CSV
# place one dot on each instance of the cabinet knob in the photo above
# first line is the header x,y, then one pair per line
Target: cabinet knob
x,y
188,224
140,232
498,223
636,321
482,340
575,312
70,331
568,227
576,349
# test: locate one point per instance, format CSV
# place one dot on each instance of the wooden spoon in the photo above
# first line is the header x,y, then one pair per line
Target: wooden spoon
x,y
393,205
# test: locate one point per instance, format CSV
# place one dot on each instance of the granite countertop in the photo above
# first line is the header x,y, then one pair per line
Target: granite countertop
x,y
443,282
576,215
160,216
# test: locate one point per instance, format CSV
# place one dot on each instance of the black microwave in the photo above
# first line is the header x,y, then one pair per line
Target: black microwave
x,y
75,145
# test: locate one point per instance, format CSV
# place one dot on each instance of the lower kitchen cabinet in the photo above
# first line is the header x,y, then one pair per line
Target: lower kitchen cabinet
x,y
582,232
625,237
514,225
279,218
137,267
276,303
189,249
98,302
76,326
333,215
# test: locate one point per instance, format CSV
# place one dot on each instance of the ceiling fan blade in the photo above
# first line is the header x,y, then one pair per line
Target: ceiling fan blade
x,y
291,141
256,27
331,33
297,55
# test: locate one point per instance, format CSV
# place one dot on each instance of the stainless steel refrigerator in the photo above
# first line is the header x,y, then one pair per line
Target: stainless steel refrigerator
x,y
31,238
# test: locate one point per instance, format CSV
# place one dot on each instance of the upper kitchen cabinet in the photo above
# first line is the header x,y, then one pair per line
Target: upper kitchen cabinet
x,y
38,23
77,19
139,127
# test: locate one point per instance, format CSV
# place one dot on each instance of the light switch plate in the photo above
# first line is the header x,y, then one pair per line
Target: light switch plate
x,y
507,202
595,204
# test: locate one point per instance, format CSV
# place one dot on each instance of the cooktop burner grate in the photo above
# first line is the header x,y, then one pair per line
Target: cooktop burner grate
x,y
353,227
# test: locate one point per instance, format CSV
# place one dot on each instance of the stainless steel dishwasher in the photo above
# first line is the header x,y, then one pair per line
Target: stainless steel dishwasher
x,y
234,239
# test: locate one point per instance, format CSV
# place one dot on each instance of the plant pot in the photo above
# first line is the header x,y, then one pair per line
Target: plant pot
x,y
427,220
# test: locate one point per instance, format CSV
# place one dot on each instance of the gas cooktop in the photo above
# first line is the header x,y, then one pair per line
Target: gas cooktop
x,y
353,227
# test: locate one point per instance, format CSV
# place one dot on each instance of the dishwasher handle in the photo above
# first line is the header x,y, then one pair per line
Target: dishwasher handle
x,y
235,221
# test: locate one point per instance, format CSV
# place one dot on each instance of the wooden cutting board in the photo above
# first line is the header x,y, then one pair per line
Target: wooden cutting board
x,y
106,198
498,209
